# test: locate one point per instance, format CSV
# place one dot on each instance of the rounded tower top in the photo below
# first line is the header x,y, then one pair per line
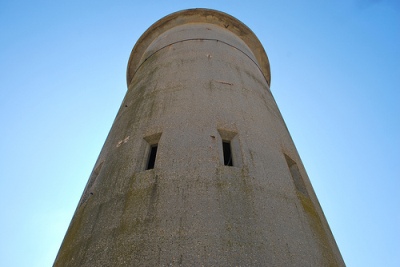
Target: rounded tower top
x,y
198,16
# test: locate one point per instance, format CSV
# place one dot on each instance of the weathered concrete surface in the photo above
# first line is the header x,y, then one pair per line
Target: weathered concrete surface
x,y
195,78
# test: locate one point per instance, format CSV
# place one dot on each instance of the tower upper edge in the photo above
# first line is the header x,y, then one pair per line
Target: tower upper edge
x,y
198,15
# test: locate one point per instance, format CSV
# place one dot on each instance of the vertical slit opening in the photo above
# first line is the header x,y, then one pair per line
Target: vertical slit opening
x,y
227,150
296,176
152,157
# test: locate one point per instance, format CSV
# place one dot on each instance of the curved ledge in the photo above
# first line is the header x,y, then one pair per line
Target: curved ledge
x,y
198,15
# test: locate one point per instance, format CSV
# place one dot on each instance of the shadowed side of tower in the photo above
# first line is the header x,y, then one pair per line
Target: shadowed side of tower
x,y
199,167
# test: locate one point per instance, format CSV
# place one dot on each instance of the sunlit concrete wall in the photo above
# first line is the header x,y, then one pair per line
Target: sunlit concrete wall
x,y
196,78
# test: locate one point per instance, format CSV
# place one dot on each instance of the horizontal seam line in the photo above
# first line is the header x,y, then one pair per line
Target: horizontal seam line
x,y
196,39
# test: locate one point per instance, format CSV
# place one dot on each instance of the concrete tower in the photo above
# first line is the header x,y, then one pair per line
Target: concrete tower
x,y
199,168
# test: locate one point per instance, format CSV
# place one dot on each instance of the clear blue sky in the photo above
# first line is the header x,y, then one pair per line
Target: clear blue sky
x,y
335,76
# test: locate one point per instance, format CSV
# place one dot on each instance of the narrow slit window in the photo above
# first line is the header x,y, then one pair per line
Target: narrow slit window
x,y
296,176
152,157
226,147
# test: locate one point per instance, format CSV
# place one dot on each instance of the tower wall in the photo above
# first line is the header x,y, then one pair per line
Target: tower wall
x,y
196,79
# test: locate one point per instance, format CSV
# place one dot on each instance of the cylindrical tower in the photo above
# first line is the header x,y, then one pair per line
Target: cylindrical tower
x,y
199,167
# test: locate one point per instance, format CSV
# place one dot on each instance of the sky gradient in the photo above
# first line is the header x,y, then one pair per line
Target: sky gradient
x,y
334,68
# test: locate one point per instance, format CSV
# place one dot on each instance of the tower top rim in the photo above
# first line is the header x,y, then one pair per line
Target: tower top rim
x,y
198,15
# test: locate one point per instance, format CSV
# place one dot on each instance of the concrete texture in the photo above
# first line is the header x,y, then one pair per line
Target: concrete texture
x,y
195,78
